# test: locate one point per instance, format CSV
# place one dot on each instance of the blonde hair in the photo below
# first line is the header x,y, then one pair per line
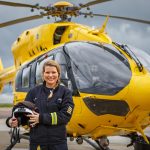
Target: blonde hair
x,y
53,63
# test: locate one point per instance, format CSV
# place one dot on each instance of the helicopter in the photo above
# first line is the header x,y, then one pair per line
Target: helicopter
x,y
105,77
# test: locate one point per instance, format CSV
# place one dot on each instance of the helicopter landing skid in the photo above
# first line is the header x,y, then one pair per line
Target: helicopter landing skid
x,y
99,144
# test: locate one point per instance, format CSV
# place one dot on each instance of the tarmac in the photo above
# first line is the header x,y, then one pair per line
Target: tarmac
x,y
116,143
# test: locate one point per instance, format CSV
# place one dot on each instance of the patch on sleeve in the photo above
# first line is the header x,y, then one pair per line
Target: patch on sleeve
x,y
69,110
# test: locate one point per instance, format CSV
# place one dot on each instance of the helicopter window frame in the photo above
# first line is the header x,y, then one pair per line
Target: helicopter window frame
x,y
26,76
38,72
62,64
64,77
33,71
18,80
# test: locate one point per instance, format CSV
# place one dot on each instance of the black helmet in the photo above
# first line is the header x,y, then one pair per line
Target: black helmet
x,y
21,110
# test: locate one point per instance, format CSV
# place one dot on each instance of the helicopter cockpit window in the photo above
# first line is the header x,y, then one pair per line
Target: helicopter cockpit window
x,y
26,77
39,68
60,58
98,69
120,56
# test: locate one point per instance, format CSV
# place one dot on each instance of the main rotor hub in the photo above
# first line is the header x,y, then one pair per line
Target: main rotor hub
x,y
63,10
62,4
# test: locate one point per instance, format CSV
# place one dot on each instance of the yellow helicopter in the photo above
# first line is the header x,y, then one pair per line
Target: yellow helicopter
x,y
110,85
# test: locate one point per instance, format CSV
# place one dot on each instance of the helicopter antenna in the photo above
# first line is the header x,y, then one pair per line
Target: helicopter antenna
x,y
104,25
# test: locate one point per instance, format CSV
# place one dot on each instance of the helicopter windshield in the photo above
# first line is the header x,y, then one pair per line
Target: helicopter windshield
x,y
142,56
98,69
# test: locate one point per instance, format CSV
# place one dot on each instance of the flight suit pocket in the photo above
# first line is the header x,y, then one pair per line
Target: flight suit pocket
x,y
52,107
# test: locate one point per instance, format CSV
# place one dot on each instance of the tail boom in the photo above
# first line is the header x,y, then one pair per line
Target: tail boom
x,y
6,75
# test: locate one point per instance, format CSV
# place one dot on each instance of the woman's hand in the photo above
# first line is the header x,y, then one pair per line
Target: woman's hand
x,y
34,119
13,122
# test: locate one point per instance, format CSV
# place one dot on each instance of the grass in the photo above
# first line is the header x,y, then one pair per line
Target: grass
x,y
6,105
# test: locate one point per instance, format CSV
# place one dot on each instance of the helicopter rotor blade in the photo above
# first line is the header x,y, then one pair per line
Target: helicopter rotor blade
x,y
8,23
21,5
93,3
118,17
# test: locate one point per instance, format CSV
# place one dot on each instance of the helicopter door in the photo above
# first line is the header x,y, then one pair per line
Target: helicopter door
x,y
60,58
65,80
22,82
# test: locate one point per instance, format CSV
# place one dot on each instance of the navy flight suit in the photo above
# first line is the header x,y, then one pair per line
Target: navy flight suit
x,y
55,113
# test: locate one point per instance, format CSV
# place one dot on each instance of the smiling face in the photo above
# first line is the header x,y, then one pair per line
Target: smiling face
x,y
50,76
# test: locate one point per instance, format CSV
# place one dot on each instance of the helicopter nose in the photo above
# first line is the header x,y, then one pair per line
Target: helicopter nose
x,y
141,92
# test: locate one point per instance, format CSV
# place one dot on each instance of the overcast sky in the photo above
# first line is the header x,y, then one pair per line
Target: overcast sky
x,y
136,34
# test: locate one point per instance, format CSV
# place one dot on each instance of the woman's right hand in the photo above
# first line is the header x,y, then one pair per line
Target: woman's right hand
x,y
13,122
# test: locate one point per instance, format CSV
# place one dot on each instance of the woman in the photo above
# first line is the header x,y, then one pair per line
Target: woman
x,y
55,106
